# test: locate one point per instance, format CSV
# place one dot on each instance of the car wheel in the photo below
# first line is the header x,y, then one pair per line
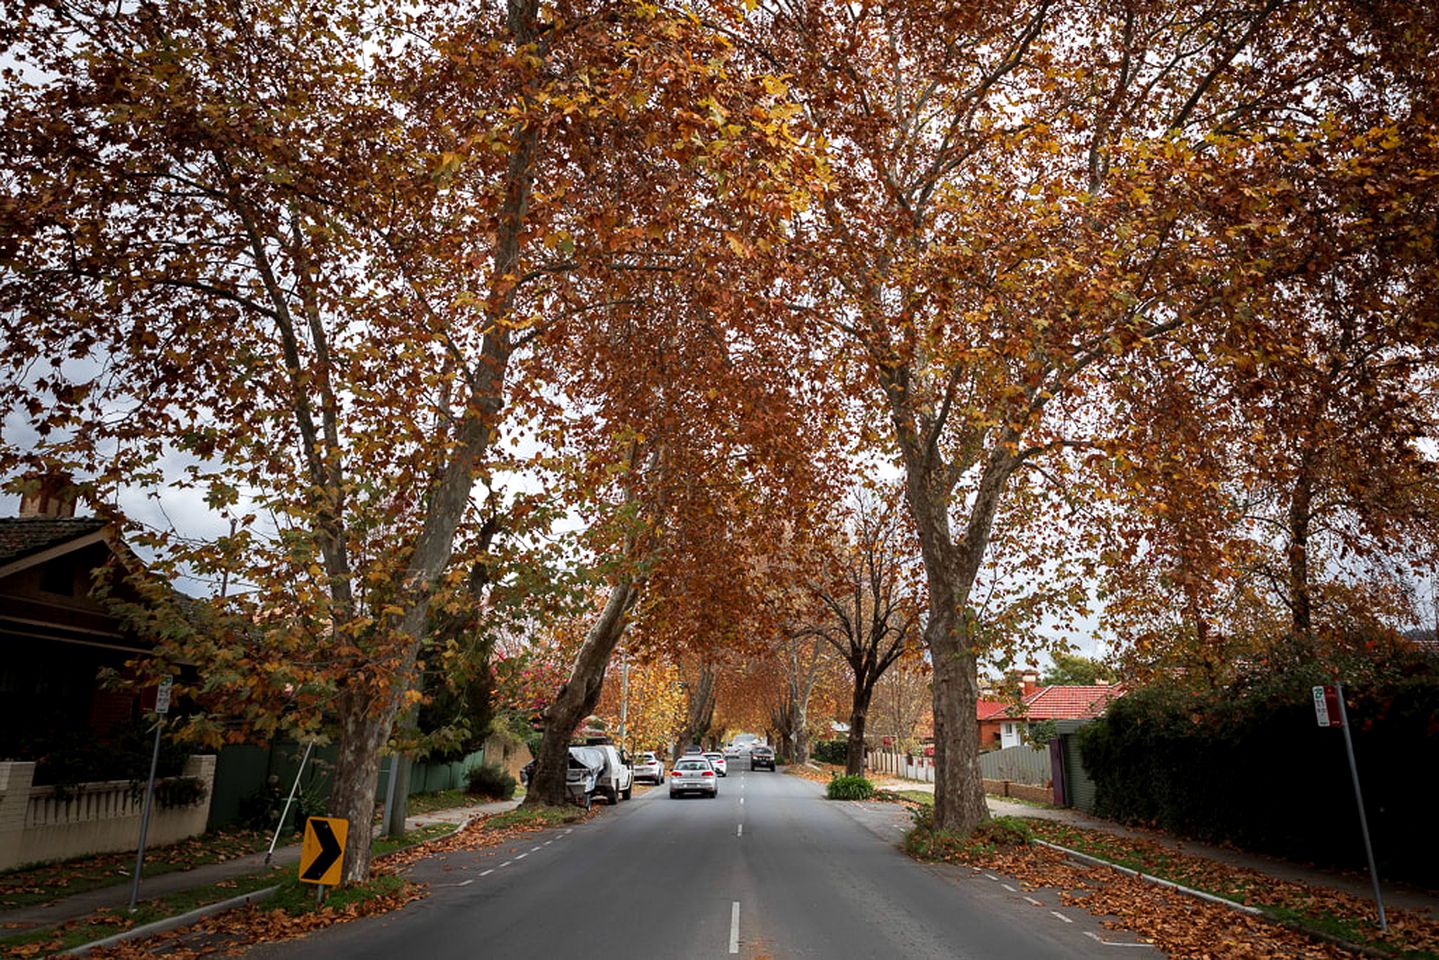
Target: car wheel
x,y
629,791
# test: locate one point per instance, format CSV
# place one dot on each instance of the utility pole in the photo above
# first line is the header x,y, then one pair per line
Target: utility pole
x,y
624,699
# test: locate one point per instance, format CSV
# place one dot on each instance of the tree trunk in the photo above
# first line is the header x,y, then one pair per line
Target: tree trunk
x,y
701,710
357,774
858,712
578,697
1300,511
958,786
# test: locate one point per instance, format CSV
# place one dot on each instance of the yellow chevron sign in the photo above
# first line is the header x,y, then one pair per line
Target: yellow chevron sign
x,y
323,852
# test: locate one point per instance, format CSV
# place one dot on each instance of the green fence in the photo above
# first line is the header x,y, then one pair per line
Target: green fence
x,y
249,777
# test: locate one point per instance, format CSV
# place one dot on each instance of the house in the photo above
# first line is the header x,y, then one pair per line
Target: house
x,y
60,726
1051,702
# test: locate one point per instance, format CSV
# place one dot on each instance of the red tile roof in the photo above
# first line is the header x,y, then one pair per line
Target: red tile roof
x,y
1070,703
990,709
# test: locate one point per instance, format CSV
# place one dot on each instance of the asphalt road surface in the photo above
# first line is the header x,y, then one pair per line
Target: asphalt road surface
x,y
769,870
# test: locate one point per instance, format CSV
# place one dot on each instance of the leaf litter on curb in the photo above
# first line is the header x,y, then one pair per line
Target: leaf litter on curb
x,y
1184,926
231,932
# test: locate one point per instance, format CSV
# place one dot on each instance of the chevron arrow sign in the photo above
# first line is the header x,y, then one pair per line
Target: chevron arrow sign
x,y
323,852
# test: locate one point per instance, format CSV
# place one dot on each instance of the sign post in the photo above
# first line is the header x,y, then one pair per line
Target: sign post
x,y
1330,711
162,707
323,852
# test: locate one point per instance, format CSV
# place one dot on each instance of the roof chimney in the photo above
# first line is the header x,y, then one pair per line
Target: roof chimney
x,y
47,495
1030,680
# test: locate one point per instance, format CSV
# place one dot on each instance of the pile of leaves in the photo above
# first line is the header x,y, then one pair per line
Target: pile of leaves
x,y
1342,914
1181,925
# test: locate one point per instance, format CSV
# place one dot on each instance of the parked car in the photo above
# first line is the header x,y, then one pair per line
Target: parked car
x,y
613,778
718,761
761,756
693,775
649,767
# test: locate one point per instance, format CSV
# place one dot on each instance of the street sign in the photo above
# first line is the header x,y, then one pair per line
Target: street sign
x,y
323,852
1326,707
162,696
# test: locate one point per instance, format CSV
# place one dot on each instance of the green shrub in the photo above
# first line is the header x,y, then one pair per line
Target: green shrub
x,y
829,751
1247,765
488,780
849,788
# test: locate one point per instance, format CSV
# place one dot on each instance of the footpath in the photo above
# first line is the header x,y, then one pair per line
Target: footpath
x,y
117,896
1396,895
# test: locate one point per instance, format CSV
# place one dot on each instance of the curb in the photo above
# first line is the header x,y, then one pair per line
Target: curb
x,y
1222,901
199,913
1202,895
171,923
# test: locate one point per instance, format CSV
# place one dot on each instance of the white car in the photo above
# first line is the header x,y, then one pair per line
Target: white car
x,y
718,761
693,774
649,767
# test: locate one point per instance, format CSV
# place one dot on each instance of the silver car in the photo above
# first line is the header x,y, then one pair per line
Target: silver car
x,y
693,775
649,767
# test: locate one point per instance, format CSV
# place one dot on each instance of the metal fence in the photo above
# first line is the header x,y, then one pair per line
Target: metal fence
x,y
1021,764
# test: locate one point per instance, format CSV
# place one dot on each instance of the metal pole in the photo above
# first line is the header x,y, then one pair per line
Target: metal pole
x,y
288,800
145,814
624,697
390,792
1359,799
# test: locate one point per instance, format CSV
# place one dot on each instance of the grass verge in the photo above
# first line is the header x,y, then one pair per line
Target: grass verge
x,y
44,941
42,883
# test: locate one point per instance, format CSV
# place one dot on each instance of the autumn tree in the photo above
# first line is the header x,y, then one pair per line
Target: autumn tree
x,y
1028,201
869,610
300,250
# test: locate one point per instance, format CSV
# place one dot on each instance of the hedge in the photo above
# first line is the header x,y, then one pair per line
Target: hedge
x,y
830,751
1249,765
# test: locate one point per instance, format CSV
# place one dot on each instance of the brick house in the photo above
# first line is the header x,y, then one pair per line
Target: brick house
x,y
55,637
1048,702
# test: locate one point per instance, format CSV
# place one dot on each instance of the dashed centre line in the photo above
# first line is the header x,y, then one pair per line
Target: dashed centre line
x,y
734,927
1037,903
740,831
521,856
1115,943
1061,916
1009,888
487,873
507,863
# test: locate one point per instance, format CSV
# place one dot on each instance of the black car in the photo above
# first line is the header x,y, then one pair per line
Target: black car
x,y
761,756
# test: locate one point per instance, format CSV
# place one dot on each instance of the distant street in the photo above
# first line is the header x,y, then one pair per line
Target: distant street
x,y
768,871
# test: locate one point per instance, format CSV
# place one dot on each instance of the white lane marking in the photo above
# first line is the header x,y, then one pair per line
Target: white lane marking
x,y
1009,888
534,848
992,877
1114,943
1037,903
466,883
740,831
548,842
1061,916
741,799
487,873
734,927
569,831
521,856
507,863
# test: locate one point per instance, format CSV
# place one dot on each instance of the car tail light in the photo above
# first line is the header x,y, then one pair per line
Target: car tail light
x,y
708,773
674,773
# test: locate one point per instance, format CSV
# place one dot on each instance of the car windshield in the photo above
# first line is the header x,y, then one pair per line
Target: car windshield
x,y
692,765
713,756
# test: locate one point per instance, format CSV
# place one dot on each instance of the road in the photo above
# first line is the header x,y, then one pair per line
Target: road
x,y
767,871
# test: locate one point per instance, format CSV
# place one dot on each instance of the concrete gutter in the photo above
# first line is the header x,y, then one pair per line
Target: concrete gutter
x,y
172,923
